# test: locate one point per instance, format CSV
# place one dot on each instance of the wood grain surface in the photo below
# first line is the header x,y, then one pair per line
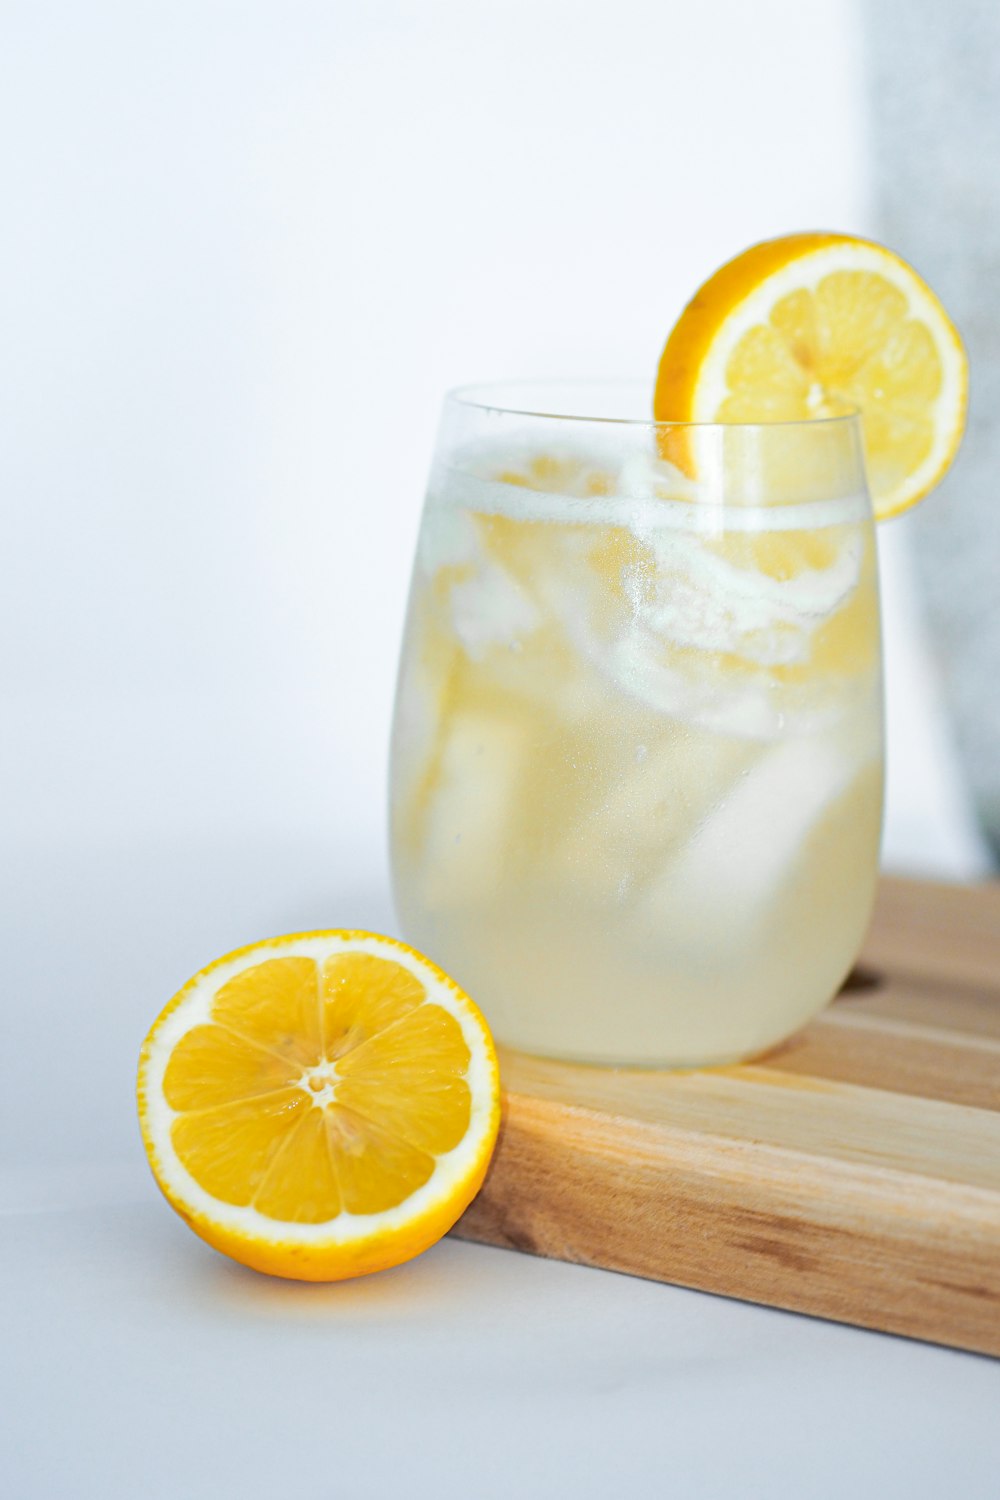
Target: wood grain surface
x,y
854,1173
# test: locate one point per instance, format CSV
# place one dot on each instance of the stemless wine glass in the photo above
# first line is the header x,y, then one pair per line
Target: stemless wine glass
x,y
637,751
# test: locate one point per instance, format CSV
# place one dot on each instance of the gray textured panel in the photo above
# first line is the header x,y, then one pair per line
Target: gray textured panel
x,y
934,97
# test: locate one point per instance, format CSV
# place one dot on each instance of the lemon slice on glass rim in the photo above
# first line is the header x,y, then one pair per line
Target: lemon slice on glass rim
x,y
810,325
320,1106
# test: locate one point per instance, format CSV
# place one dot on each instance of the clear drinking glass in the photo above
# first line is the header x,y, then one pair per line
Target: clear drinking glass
x,y
637,751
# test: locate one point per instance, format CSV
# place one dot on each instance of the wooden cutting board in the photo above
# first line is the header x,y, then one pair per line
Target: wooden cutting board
x,y
854,1173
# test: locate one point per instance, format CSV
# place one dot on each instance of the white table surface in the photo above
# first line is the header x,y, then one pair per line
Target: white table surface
x,y
138,1363
141,1364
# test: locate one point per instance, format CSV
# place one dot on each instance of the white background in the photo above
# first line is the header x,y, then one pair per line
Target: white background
x,y
245,248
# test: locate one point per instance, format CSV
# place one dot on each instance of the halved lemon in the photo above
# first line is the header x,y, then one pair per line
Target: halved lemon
x,y
811,324
321,1105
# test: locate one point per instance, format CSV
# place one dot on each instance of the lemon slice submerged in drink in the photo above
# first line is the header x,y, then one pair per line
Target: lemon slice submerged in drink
x,y
320,1106
812,325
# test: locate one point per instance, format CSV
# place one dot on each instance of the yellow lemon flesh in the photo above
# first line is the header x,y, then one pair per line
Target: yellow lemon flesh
x,y
320,1106
811,325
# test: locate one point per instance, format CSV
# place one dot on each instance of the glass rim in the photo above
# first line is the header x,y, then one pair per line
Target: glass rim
x,y
472,395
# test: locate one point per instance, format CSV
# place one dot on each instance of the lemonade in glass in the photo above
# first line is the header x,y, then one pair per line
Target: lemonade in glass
x,y
637,757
